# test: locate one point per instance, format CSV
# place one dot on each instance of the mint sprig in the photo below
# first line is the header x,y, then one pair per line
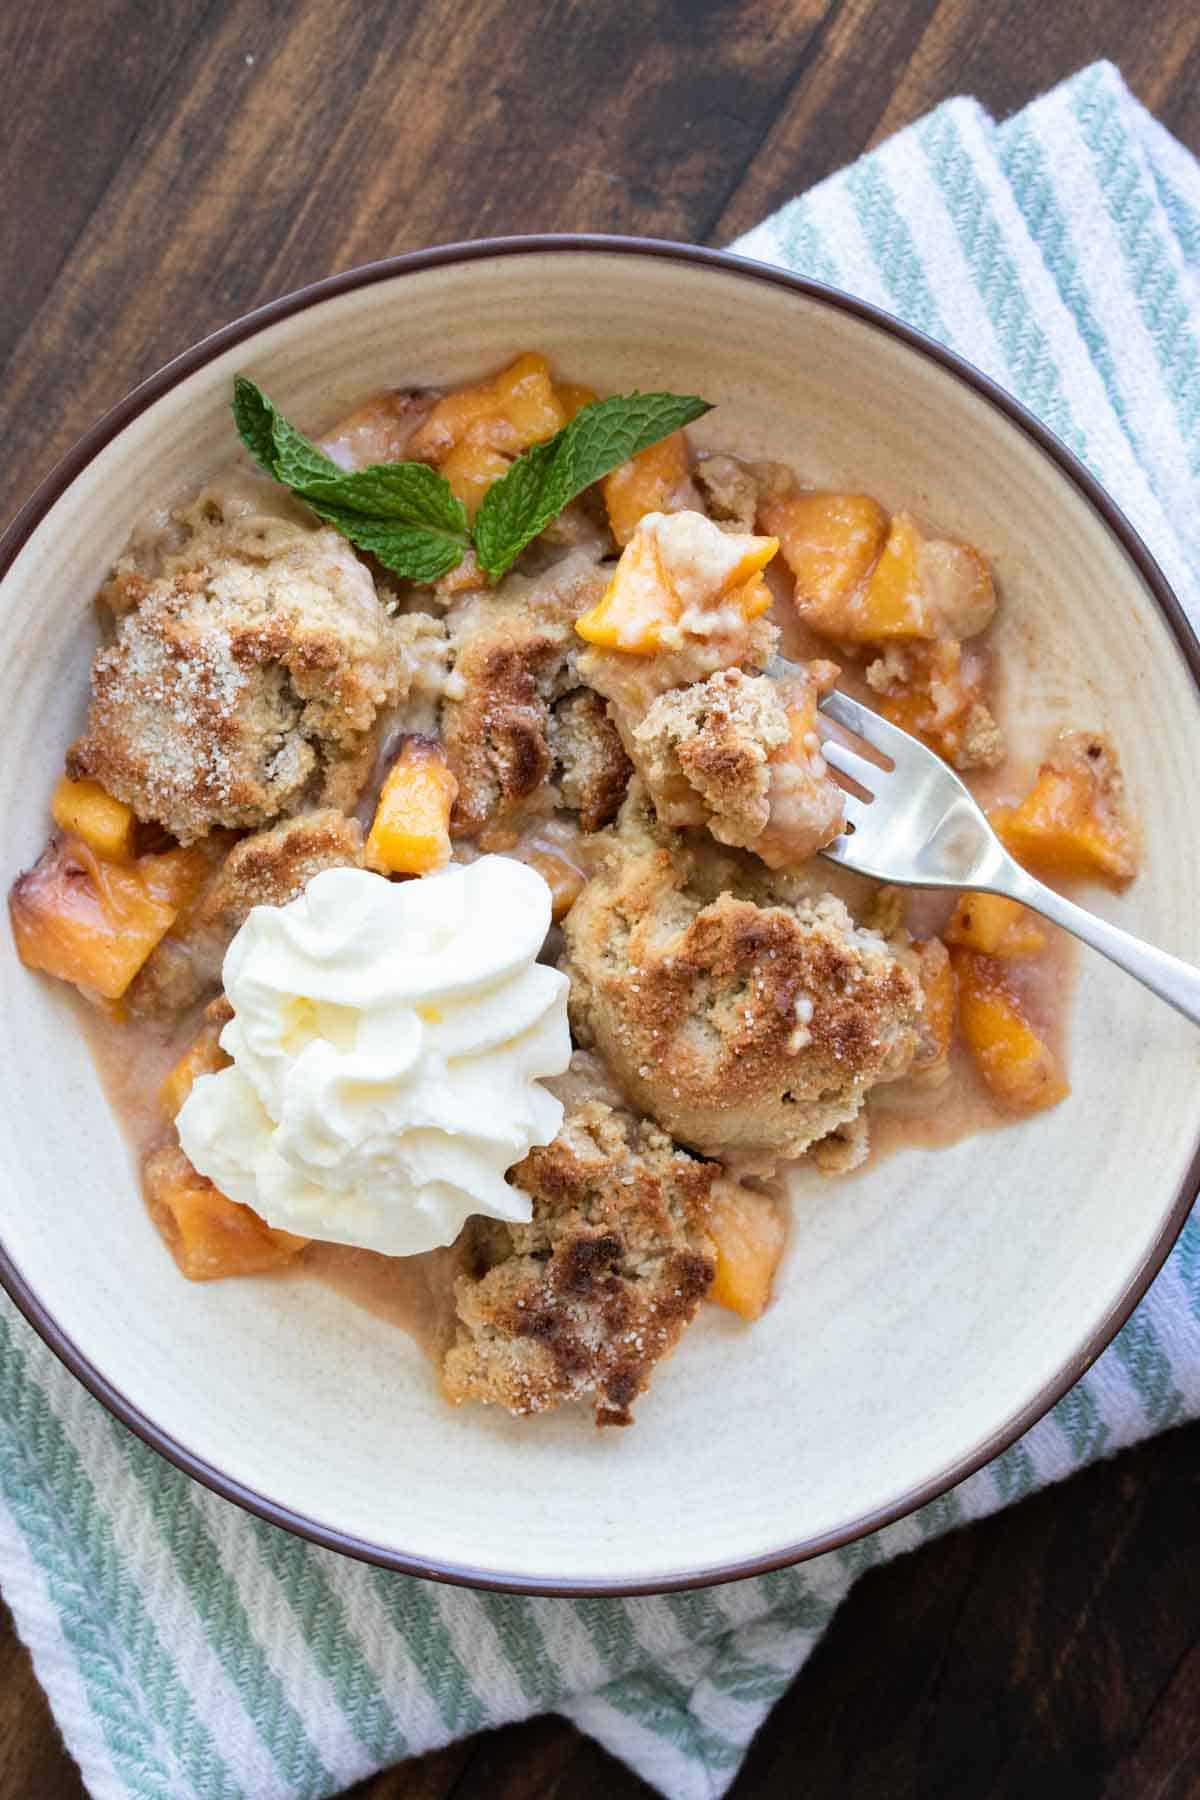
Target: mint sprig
x,y
549,476
406,514
403,513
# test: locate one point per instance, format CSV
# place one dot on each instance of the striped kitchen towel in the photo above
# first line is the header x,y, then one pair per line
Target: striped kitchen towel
x,y
188,1649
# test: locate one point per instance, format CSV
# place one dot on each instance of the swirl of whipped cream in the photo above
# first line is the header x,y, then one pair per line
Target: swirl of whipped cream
x,y
387,1044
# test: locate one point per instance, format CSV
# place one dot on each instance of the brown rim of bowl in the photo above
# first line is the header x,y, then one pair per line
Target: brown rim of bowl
x,y
114,421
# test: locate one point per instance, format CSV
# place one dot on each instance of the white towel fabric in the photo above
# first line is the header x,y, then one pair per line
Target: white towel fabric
x,y
189,1650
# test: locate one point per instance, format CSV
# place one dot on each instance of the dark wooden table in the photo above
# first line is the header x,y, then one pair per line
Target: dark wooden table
x,y
169,163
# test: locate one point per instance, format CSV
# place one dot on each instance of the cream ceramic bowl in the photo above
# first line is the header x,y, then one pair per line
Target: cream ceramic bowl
x,y
929,1310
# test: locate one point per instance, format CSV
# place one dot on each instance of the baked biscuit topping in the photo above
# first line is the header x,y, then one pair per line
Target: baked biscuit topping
x,y
599,1286
244,679
747,1026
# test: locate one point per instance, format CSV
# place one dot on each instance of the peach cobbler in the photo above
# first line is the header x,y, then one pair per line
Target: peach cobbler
x,y
440,861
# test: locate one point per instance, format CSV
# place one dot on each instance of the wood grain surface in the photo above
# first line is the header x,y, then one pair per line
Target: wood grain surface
x,y
170,163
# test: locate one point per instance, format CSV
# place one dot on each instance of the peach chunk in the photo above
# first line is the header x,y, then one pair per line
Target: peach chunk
x,y
861,580
935,1028
637,605
1019,1068
573,397
561,876
893,603
1074,820
830,543
516,408
995,925
84,809
470,469
209,1235
203,1056
656,480
410,834
94,922
675,572
749,1232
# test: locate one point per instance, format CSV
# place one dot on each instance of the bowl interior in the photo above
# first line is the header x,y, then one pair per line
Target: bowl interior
x,y
925,1305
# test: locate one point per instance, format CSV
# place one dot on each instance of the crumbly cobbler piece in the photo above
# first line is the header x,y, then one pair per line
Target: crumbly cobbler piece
x,y
268,868
739,753
747,1025
590,764
730,491
599,1286
937,691
513,654
246,675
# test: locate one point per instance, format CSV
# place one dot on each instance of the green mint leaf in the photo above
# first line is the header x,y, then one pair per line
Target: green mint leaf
x,y
411,492
546,478
520,504
273,440
409,550
253,415
403,513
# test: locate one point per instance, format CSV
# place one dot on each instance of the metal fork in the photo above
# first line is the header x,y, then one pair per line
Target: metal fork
x,y
920,827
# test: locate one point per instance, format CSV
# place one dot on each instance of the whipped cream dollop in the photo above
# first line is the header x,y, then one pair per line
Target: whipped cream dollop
x,y
388,1041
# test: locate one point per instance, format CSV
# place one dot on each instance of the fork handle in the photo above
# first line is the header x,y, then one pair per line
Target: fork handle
x,y
1173,980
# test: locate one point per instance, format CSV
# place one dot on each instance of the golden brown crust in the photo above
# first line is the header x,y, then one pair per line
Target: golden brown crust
x,y
703,752
740,754
590,764
275,866
268,869
599,1286
245,675
745,1026
513,656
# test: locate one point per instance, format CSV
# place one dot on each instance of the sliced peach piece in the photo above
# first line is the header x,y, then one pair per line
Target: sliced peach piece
x,y
656,480
637,605
995,925
1019,1068
209,1235
1073,821
676,568
573,397
703,563
516,408
203,1056
893,603
410,834
749,1233
94,922
755,598
470,469
563,879
84,809
936,1027
830,543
